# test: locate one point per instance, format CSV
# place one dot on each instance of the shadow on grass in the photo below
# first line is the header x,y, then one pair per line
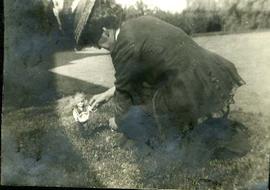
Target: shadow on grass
x,y
35,131
42,87
35,148
59,163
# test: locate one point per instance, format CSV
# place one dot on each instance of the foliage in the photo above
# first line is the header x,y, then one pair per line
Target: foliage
x,y
246,15
211,16
199,17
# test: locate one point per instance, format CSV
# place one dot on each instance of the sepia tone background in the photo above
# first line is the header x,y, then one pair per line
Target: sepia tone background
x,y
43,72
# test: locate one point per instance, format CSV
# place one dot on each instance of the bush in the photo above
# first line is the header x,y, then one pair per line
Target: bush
x,y
199,18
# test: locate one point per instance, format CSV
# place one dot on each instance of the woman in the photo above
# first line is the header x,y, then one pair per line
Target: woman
x,y
163,73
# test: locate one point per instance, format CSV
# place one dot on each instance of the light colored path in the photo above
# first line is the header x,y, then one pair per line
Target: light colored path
x,y
96,69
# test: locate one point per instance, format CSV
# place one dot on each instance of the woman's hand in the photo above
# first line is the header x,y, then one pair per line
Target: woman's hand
x,y
99,99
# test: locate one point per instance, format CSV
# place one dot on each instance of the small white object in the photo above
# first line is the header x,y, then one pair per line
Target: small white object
x,y
81,111
81,115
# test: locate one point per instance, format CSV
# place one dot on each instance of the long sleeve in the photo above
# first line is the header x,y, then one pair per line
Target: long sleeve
x,y
127,74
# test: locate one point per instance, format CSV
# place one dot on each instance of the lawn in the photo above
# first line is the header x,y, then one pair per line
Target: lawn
x,y
55,151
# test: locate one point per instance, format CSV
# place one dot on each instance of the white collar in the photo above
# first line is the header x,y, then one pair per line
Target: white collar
x,y
117,33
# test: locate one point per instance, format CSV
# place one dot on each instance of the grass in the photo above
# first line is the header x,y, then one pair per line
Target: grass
x,y
94,156
111,160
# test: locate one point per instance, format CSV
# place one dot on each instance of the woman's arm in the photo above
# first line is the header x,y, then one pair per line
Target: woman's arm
x,y
99,99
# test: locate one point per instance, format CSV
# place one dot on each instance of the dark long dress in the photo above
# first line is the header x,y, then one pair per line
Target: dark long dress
x,y
161,69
